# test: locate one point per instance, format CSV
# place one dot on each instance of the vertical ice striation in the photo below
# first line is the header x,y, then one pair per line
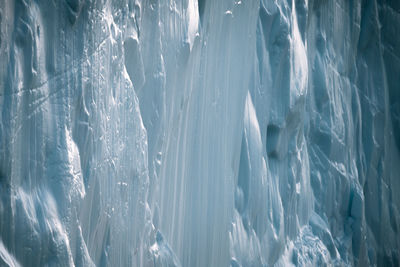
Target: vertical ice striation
x,y
199,133
74,175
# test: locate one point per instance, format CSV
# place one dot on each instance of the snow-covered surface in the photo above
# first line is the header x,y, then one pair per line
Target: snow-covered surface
x,y
199,133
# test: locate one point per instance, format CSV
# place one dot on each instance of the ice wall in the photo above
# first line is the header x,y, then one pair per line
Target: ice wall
x,y
199,133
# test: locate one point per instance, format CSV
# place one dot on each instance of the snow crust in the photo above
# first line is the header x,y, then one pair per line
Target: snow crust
x,y
199,133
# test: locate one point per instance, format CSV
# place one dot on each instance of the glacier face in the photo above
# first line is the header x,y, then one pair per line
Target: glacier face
x,y
199,133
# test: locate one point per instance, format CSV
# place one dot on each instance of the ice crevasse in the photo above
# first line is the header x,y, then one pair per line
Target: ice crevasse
x,y
200,133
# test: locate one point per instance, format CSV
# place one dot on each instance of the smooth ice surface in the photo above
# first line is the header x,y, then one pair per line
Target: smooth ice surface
x,y
199,133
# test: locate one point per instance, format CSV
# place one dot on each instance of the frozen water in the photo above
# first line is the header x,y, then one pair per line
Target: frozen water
x,y
199,133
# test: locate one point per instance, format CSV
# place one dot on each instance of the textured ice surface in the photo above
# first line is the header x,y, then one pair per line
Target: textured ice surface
x,y
199,133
